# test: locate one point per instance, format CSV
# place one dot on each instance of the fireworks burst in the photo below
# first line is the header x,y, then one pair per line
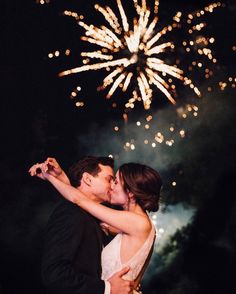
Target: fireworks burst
x,y
142,65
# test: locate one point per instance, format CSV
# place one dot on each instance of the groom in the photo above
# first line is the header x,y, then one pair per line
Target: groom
x,y
71,262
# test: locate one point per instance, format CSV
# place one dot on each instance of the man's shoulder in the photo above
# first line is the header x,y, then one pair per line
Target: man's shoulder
x,y
67,214
65,205
67,209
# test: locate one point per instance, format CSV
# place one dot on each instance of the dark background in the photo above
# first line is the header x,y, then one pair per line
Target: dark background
x,y
38,119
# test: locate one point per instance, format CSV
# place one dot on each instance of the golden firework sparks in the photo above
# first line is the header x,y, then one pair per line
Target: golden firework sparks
x,y
142,41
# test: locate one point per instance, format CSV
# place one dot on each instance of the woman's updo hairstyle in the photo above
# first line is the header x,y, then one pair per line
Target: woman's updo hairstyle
x,y
144,182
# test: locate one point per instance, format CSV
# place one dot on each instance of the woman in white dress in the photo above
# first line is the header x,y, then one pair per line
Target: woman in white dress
x,y
137,189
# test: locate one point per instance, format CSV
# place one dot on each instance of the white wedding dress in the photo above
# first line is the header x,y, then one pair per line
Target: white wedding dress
x,y
111,260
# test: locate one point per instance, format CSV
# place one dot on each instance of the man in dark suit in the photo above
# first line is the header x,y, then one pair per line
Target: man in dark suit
x,y
71,261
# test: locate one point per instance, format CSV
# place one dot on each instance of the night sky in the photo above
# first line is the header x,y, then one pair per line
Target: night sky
x,y
40,119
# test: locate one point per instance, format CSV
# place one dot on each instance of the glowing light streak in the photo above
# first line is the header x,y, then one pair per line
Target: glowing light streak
x,y
127,81
145,95
150,29
98,42
123,61
123,16
97,54
115,85
158,49
109,79
113,36
164,90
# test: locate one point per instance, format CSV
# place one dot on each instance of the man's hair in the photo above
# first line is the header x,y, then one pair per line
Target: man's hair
x,y
89,164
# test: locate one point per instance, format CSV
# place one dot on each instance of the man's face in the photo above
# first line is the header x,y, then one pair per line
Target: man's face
x,y
101,183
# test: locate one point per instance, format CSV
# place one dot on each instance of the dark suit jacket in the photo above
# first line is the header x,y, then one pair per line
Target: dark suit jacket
x,y
71,262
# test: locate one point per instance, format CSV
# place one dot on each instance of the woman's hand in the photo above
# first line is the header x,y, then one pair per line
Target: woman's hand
x,y
51,167
39,170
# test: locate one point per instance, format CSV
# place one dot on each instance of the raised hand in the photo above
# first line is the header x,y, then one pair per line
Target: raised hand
x,y
39,170
50,167
53,166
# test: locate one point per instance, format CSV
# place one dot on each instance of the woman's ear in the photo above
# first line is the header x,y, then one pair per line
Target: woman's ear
x,y
131,196
86,178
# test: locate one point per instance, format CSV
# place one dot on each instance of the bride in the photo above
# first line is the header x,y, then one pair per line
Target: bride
x,y
136,188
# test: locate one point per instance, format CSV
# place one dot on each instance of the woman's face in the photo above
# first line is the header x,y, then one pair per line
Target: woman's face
x,y
118,195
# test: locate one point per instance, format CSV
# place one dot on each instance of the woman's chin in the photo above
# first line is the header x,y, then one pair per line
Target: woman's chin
x,y
114,202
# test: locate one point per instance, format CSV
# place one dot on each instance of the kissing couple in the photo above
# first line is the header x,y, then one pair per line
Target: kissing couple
x,y
77,258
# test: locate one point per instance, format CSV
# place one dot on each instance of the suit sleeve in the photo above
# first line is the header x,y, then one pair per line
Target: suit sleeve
x,y
63,236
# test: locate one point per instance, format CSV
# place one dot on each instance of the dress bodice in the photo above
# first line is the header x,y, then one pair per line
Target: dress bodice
x,y
111,259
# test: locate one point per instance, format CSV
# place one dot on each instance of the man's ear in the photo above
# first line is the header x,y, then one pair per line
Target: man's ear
x,y
86,178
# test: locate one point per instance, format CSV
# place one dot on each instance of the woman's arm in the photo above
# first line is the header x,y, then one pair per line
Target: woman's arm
x,y
55,170
122,220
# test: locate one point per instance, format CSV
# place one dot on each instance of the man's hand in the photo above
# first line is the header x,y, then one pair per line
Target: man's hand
x,y
120,286
108,229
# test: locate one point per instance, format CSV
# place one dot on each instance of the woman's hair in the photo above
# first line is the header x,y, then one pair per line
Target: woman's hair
x,y
144,182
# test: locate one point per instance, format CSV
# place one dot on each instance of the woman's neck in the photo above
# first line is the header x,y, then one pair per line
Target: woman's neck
x,y
133,207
